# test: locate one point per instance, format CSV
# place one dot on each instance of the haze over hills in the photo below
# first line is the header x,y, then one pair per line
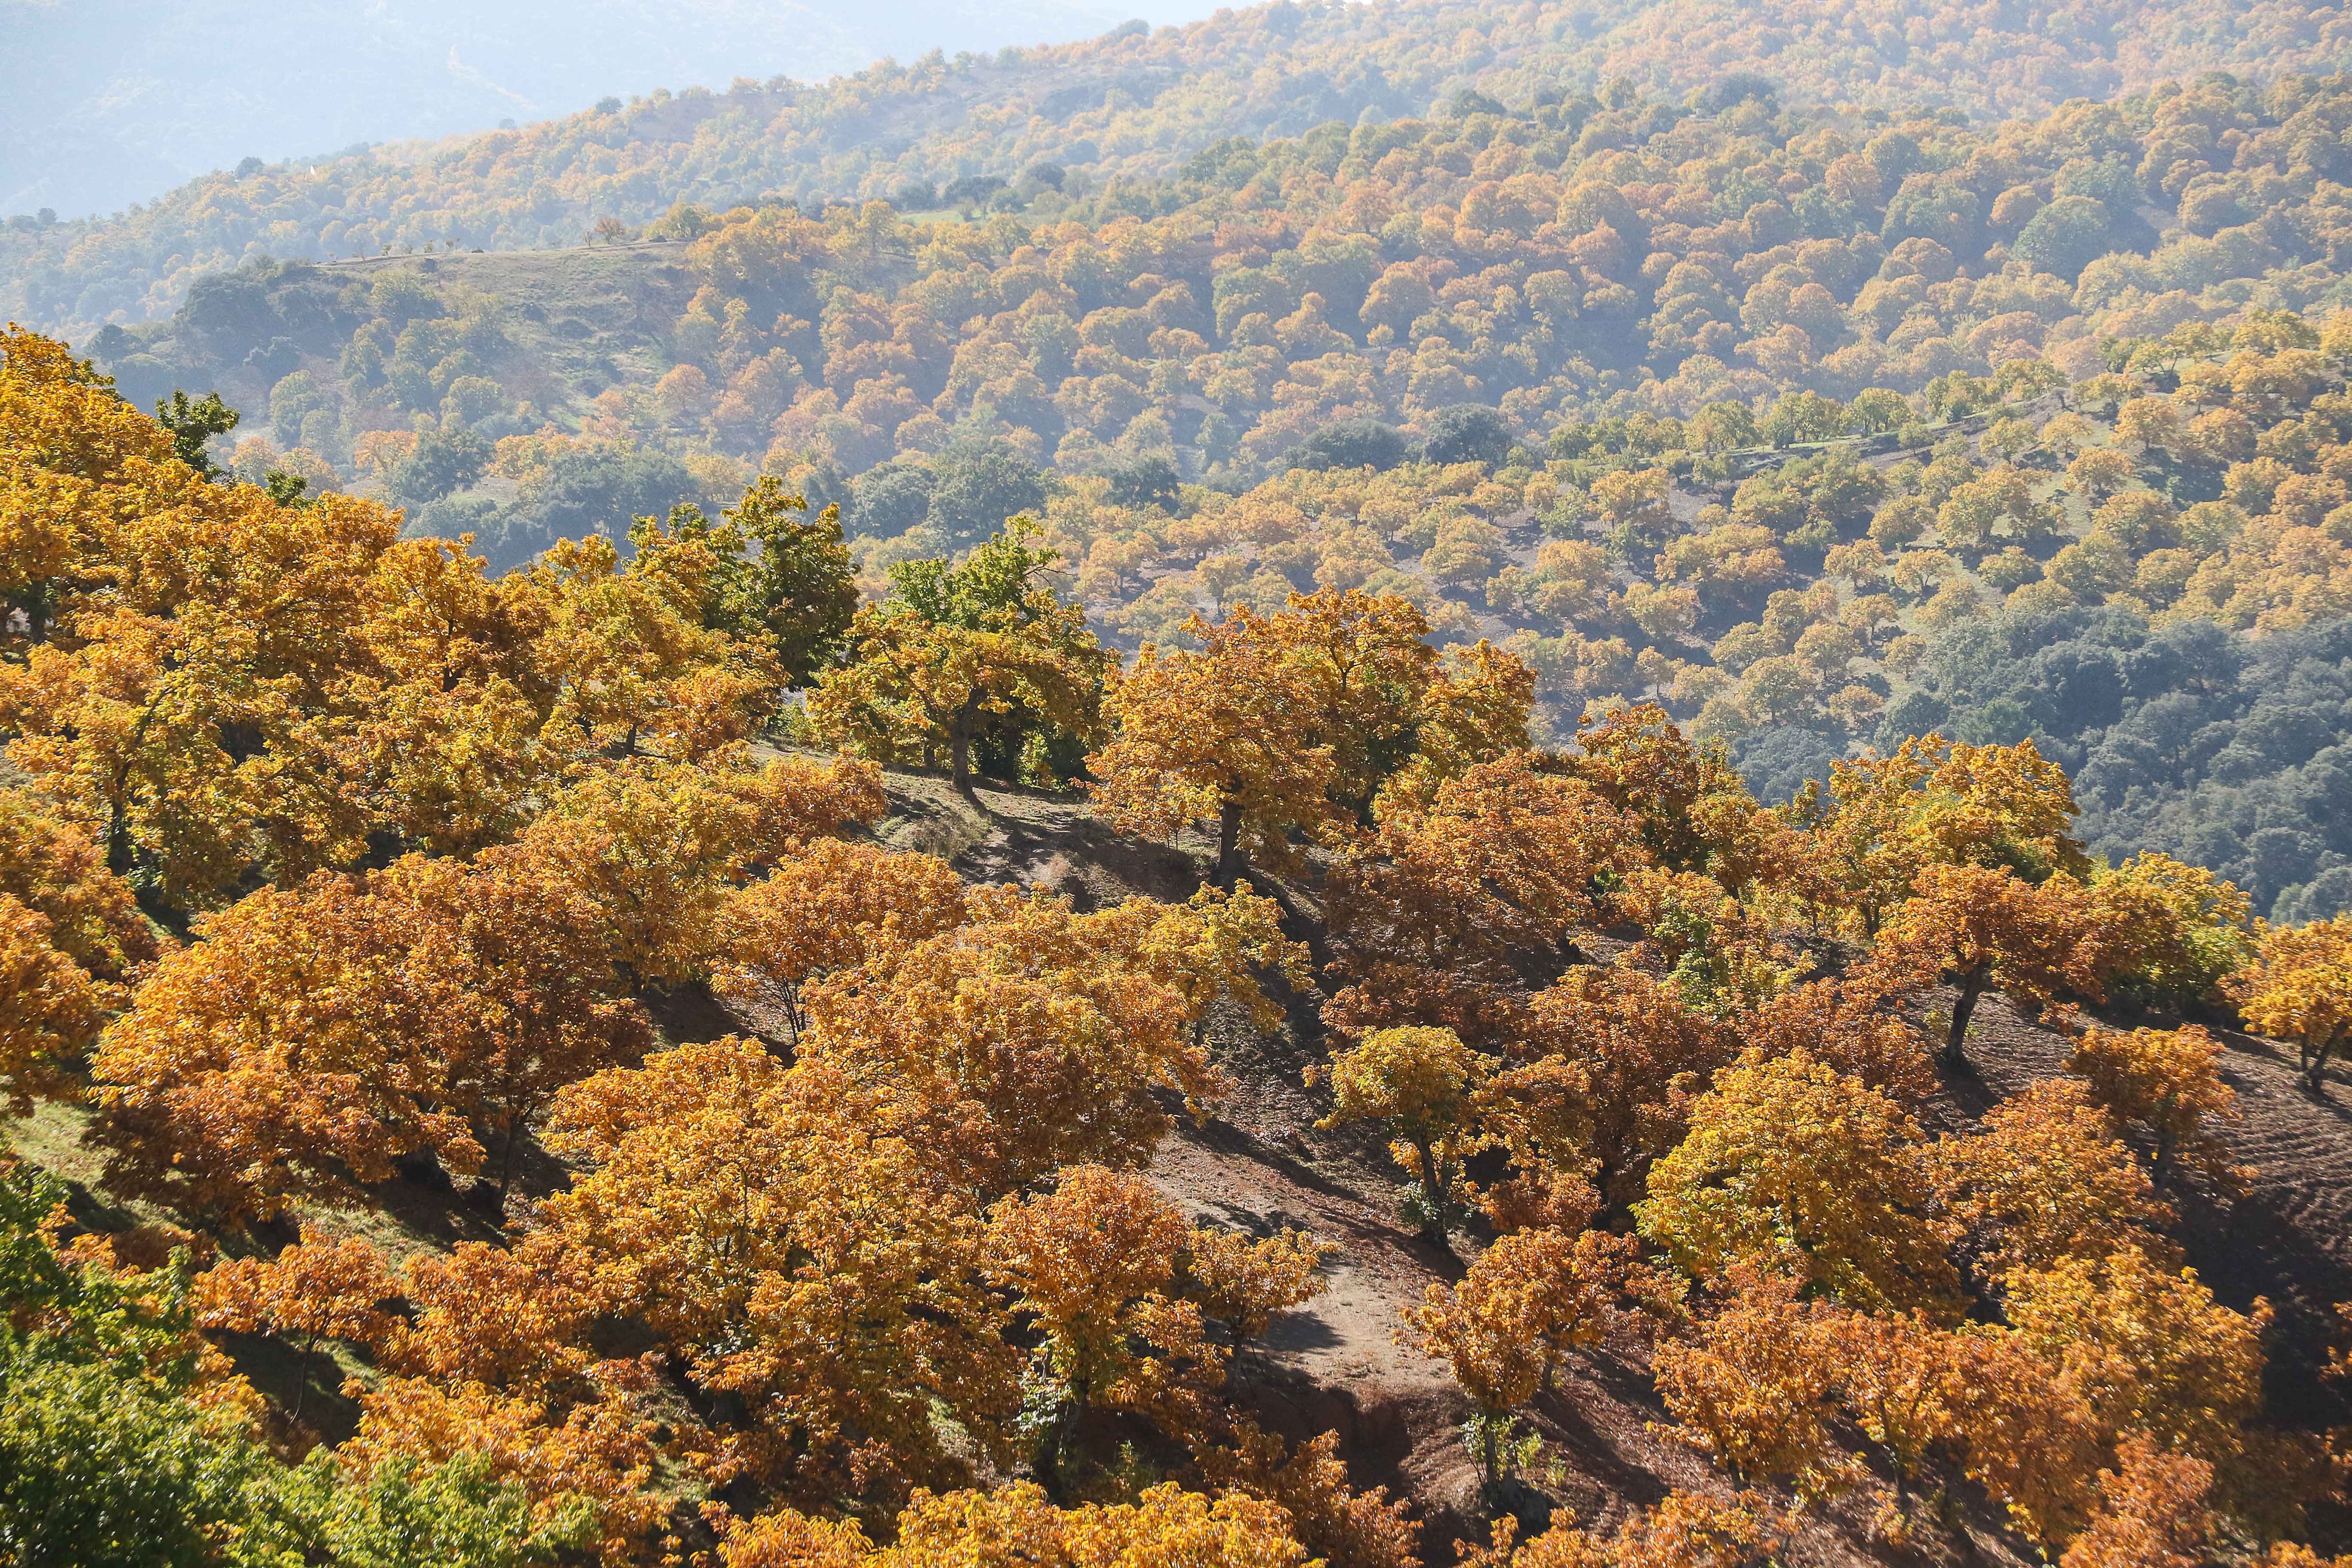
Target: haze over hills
x,y
111,103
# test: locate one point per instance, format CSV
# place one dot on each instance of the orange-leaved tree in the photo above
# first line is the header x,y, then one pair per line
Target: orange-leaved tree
x,y
1527,1302
2176,931
1933,803
1647,1056
290,1050
1991,929
2153,1512
1475,709
636,666
1299,721
791,1254
1693,810
1437,917
71,940
480,1353
2148,1350
833,906
2047,1179
2168,1083
1755,1385
321,1034
1122,1288
1018,1524
659,846
1029,1036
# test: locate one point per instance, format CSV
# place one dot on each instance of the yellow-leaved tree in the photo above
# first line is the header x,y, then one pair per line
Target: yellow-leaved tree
x,y
1421,1083
2298,987
1792,1166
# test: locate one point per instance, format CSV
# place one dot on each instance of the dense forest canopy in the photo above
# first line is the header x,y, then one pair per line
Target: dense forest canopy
x,y
1737,407
1132,105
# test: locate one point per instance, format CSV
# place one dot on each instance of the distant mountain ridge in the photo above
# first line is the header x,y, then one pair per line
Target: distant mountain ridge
x,y
1133,104
132,102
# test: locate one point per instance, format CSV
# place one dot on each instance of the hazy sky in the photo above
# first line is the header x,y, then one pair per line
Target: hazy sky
x,y
111,102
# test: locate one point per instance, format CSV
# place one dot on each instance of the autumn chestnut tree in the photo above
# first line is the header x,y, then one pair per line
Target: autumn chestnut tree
x,y
2299,987
1438,915
1527,1302
315,1036
1297,720
1027,1037
1694,812
833,906
1225,733
1753,1384
955,649
1789,1165
70,938
636,665
289,1050
1645,1054
1418,1081
2047,1179
1367,667
1933,803
2168,1082
1019,1523
1122,1288
658,848
792,1254
1990,930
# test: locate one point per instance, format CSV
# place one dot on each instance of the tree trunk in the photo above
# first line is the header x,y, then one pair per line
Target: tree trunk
x,y
118,837
1972,986
1433,1198
2315,1066
959,756
1229,842
507,1162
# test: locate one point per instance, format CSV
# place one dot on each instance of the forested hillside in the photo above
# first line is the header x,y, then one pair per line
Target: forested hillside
x,y
1782,473
513,1117
119,104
